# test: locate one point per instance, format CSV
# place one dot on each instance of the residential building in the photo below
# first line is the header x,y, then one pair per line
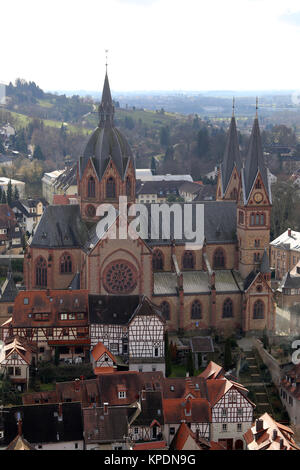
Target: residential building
x,y
290,394
267,434
10,231
285,253
28,213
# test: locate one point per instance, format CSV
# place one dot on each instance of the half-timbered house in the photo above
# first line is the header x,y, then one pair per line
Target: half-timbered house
x,y
15,360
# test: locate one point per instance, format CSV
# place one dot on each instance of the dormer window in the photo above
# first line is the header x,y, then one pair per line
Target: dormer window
x,y
122,394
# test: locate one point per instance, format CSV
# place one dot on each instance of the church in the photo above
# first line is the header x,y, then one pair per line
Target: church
x,y
225,285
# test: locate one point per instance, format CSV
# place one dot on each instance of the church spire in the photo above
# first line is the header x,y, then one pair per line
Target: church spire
x,y
255,160
106,108
232,157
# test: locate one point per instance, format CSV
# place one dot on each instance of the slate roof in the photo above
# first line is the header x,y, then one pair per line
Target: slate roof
x,y
34,418
60,227
110,427
232,157
8,291
110,310
290,282
202,344
254,163
219,223
151,408
161,188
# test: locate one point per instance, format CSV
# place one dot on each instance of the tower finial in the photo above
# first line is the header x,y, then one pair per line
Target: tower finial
x,y
256,107
233,106
106,59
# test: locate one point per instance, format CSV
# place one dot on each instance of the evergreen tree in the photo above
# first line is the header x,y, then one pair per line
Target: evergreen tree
x,y
16,195
165,136
227,355
169,155
203,142
3,197
153,166
38,154
9,194
190,364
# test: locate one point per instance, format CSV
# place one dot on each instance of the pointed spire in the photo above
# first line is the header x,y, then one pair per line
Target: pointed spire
x,y
233,106
265,263
232,157
106,108
255,160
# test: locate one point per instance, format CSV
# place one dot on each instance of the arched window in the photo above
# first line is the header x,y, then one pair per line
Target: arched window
x,y
165,307
128,186
66,264
219,259
228,309
41,272
188,261
91,187
196,310
258,310
110,188
158,261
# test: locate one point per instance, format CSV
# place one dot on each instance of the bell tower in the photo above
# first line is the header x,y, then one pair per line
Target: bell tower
x,y
254,207
106,170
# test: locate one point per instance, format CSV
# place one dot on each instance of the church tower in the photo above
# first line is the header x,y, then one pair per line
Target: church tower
x,y
254,207
106,170
229,172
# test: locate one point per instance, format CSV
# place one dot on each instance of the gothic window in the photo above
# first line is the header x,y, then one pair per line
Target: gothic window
x,y
165,307
188,261
257,219
219,259
66,264
91,187
41,272
228,309
241,217
158,261
258,185
110,188
258,310
128,186
120,277
196,310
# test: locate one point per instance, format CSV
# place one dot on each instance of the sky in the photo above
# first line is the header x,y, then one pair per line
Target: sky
x,y
153,44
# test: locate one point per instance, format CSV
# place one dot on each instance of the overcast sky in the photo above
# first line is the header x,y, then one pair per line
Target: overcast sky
x,y
153,44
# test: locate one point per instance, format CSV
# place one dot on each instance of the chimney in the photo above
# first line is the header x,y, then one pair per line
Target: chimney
x,y
20,431
105,409
281,444
289,232
259,425
77,385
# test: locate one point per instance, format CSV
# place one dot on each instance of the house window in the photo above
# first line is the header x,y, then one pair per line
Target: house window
x,y
110,188
65,264
41,272
17,371
91,187
258,310
136,431
26,301
228,309
188,261
122,395
10,371
165,307
158,261
172,431
239,427
224,427
224,413
63,316
219,259
196,310
239,412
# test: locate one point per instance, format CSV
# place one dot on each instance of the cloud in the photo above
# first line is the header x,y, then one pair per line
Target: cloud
x,y
291,18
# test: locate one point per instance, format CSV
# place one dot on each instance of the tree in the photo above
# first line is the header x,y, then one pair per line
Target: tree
x,y
9,194
190,364
3,197
169,155
165,136
38,154
203,142
16,195
167,356
227,354
153,166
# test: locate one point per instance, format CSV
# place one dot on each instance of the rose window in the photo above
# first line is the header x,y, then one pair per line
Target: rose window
x,y
120,278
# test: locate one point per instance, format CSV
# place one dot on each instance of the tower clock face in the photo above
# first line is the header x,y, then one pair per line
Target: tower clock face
x,y
258,197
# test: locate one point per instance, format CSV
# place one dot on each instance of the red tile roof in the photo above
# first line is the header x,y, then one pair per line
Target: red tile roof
x,y
177,410
99,350
157,445
212,371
